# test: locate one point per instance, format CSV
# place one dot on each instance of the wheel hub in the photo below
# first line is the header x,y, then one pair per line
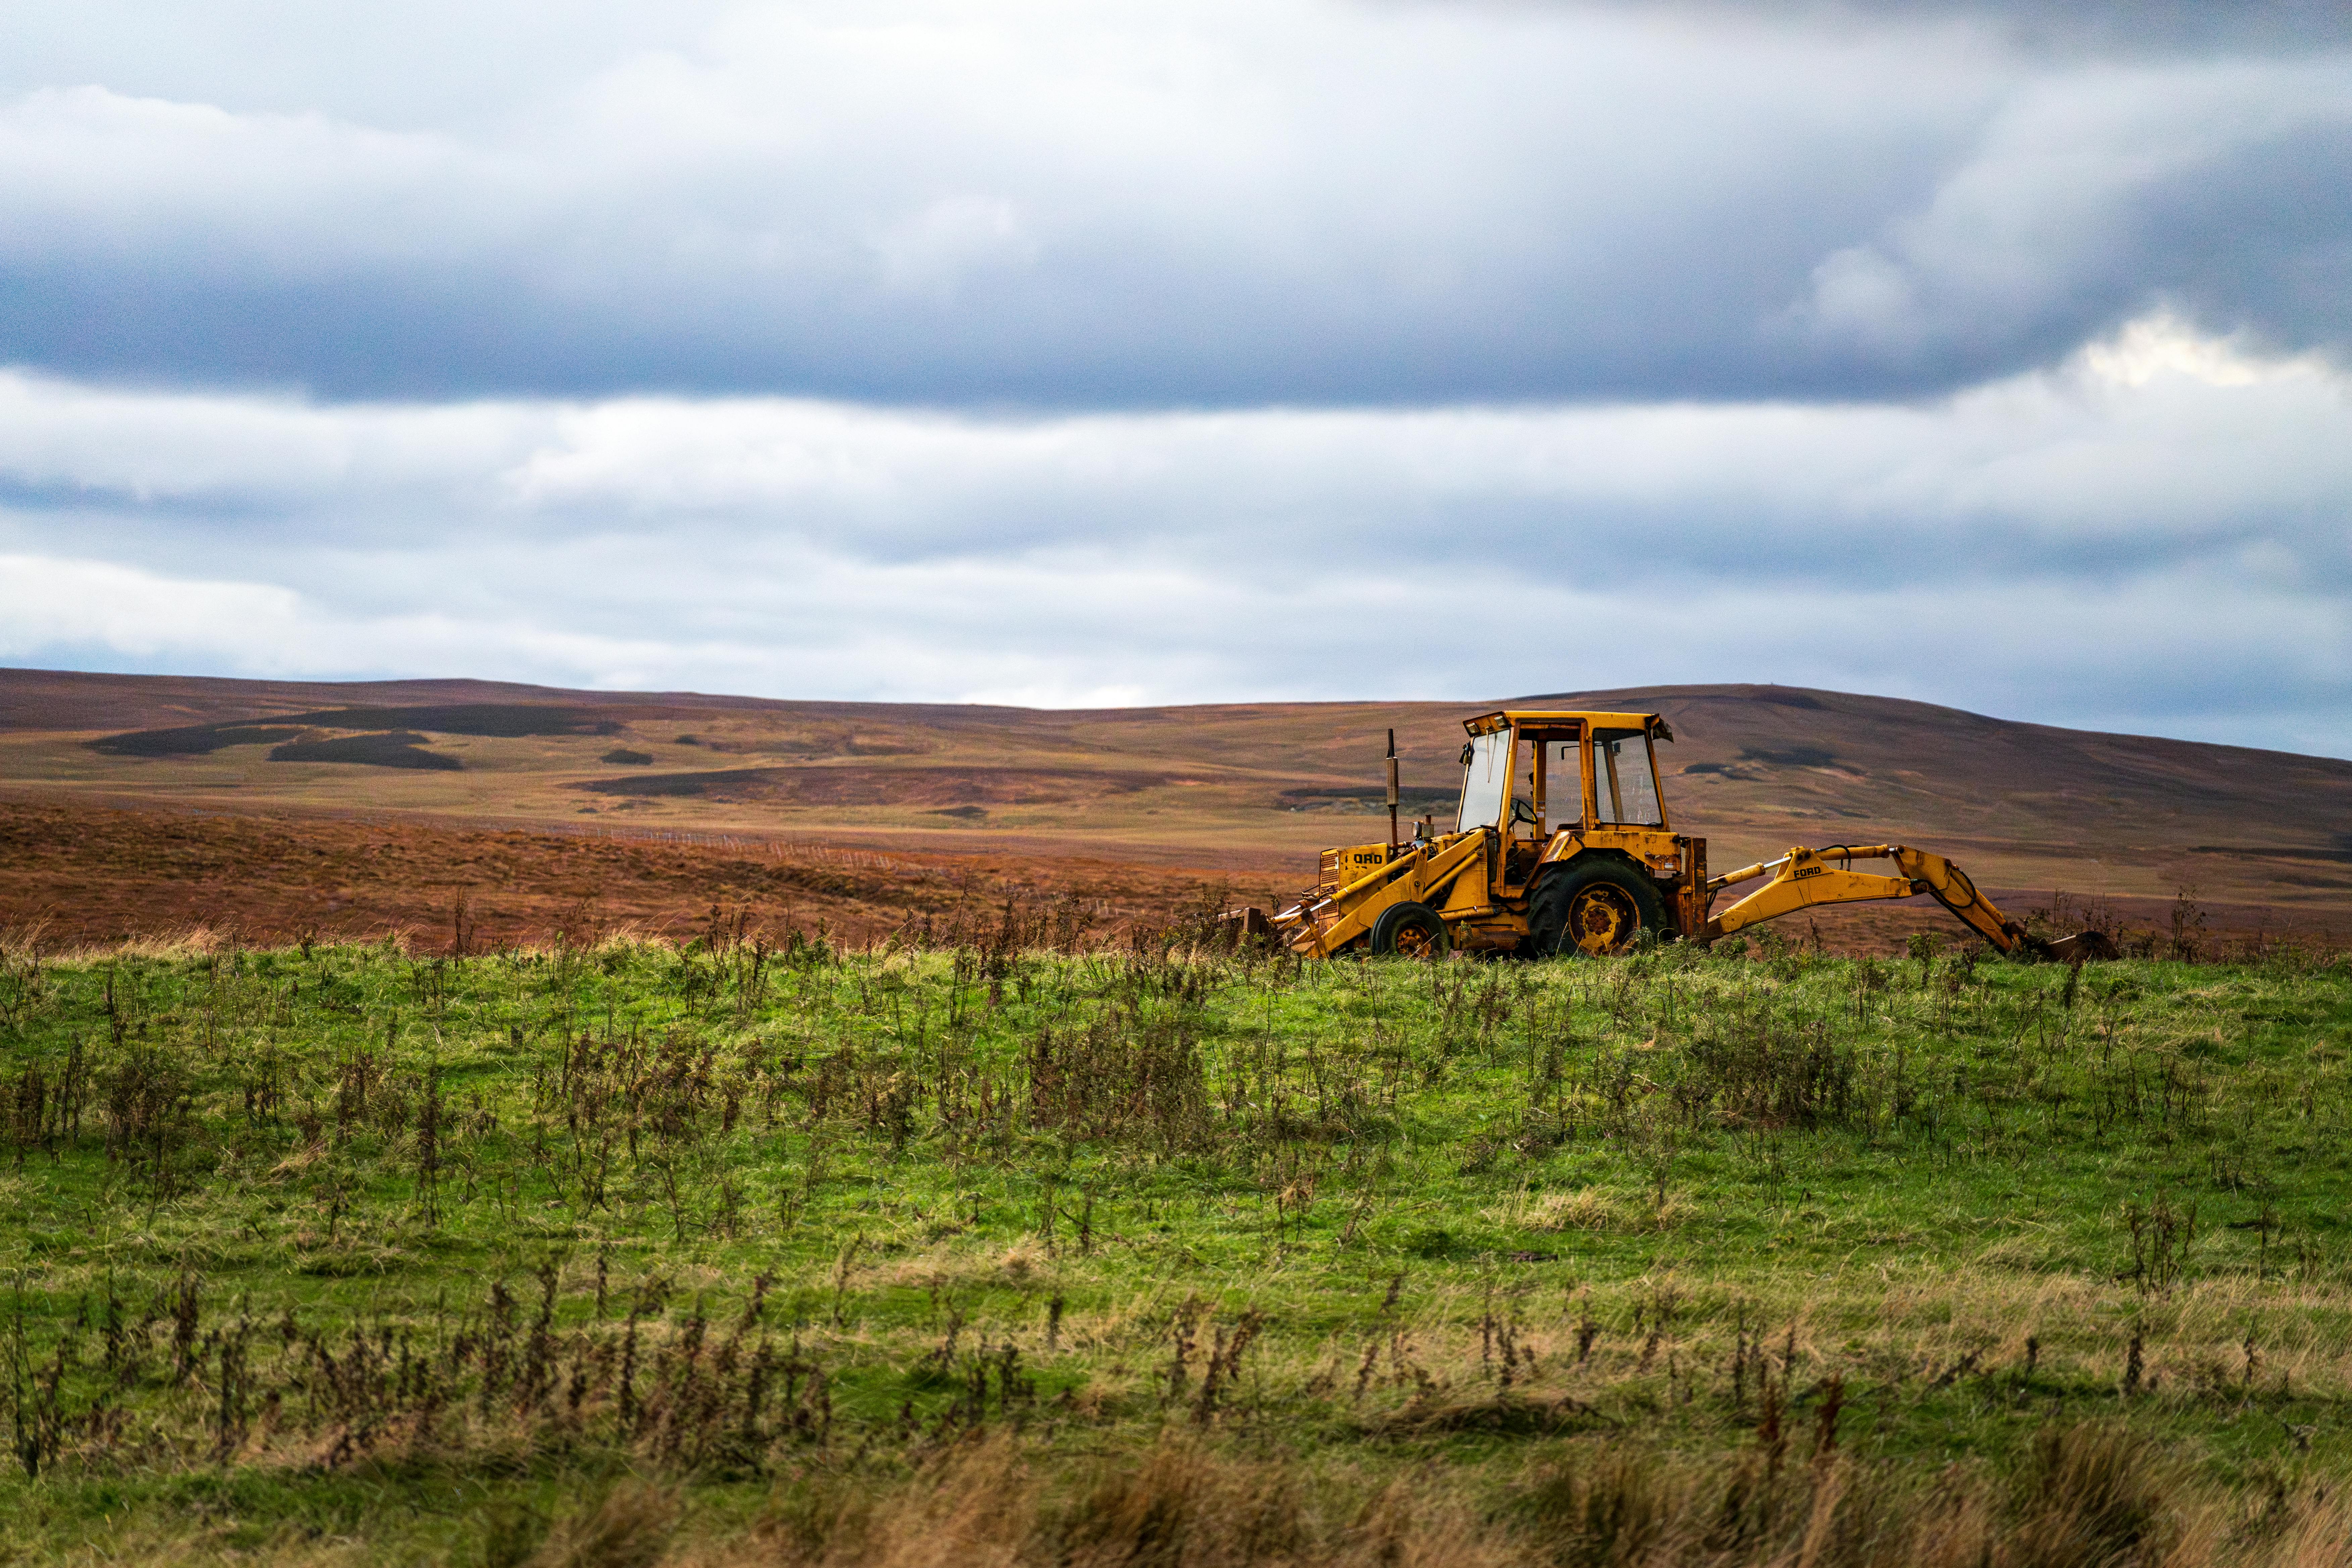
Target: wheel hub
x,y
1413,942
1601,920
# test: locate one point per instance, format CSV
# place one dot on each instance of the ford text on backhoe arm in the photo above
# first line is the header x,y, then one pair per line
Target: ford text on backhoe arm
x,y
1561,845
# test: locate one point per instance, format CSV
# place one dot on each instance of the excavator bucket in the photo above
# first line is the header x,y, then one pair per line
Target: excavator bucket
x,y
2083,946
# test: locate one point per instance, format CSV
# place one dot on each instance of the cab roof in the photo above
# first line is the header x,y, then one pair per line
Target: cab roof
x,y
1505,717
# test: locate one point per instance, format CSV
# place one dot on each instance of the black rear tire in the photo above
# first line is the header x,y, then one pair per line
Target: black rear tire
x,y
1595,910
1410,930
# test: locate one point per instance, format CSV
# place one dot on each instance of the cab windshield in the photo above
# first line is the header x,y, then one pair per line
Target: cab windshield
x,y
1623,785
1485,782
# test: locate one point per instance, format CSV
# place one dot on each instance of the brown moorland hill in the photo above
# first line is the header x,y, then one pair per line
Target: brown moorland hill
x,y
1248,791
74,875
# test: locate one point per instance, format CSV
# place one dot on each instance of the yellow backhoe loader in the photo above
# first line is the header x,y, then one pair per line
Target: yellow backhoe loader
x,y
1560,844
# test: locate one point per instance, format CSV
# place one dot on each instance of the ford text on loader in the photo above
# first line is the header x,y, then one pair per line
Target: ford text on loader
x,y
1561,845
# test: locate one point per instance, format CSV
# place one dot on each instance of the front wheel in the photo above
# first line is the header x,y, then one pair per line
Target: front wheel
x,y
1410,931
1595,910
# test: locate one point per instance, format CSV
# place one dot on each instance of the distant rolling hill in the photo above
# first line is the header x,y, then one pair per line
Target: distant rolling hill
x,y
1250,788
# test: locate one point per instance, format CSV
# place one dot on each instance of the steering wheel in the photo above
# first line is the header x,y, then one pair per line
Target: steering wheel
x,y
1523,810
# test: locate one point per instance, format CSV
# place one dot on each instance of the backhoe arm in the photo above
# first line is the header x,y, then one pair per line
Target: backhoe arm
x,y
1808,877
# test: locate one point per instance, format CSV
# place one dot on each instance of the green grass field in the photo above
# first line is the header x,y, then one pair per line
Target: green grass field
x,y
981,1251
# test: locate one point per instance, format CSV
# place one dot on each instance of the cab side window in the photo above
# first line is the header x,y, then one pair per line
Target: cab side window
x,y
1625,788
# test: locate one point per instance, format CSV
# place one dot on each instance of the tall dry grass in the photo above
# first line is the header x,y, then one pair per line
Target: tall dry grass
x,y
2094,1496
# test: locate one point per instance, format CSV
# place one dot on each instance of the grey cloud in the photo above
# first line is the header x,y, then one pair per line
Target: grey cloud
x,y
2161,524
1325,205
2101,28
2159,450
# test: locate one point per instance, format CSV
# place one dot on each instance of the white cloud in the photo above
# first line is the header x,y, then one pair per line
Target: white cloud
x,y
2163,344
929,252
47,602
95,176
2113,183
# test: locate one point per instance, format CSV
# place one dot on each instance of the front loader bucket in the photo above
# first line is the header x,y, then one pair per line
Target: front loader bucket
x,y
2081,947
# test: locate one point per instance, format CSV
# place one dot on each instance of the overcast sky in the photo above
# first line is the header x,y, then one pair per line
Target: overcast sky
x,y
1990,354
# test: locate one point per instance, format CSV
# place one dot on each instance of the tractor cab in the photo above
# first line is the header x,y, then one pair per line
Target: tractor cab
x,y
1548,771
1532,776
1547,798
1557,787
